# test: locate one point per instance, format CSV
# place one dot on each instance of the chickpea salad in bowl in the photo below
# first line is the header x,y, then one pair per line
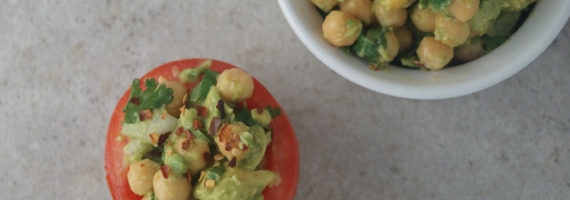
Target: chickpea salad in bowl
x,y
422,34
200,129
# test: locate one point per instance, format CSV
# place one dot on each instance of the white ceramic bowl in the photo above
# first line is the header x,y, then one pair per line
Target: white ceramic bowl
x,y
539,30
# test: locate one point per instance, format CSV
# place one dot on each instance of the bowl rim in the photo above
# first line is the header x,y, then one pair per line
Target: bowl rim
x,y
544,30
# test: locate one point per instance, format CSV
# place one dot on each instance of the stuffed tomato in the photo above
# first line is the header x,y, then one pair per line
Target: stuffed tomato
x,y
200,129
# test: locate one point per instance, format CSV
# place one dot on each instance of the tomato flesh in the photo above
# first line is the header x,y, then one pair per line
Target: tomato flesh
x,y
282,155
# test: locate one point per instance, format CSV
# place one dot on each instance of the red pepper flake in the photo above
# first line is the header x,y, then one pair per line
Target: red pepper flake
x,y
179,131
214,125
164,169
163,138
245,147
145,114
135,100
163,116
228,146
202,111
220,106
185,144
232,162
189,135
142,165
224,133
207,157
197,124
234,138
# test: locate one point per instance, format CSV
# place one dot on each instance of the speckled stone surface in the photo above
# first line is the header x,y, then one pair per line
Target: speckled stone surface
x,y
63,66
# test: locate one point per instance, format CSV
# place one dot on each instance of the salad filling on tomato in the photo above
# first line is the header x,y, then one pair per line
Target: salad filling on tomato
x,y
203,143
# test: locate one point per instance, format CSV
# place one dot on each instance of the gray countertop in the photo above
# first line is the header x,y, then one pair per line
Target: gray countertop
x,y
63,66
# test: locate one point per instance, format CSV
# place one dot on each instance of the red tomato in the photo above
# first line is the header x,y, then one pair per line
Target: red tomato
x,y
282,155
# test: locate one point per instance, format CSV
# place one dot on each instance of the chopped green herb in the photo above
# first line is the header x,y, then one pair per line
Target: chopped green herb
x,y
367,49
153,97
200,91
274,112
372,46
211,74
217,170
244,116
378,36
493,42
439,4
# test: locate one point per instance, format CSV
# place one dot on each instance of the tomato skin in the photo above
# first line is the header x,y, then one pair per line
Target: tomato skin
x,y
282,155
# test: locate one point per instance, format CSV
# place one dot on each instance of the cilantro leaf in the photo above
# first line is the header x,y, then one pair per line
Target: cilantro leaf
x,y
274,112
200,91
244,116
367,49
371,46
493,42
155,96
439,4
211,74
216,170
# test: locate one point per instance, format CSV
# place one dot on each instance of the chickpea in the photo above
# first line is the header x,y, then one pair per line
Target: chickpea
x,y
172,188
392,47
396,4
361,9
405,39
325,5
450,31
423,19
225,135
434,54
179,90
390,18
194,154
341,29
140,176
469,52
235,85
463,10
